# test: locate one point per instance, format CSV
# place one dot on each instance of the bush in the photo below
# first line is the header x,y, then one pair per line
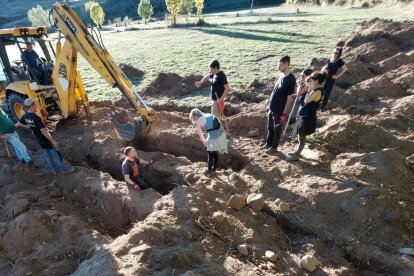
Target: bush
x,y
127,20
38,16
174,7
145,10
340,2
97,14
365,5
117,21
88,5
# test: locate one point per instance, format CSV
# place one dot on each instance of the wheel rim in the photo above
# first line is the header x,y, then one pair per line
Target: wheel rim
x,y
18,109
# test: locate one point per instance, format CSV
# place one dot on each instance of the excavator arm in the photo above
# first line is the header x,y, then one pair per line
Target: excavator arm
x,y
88,43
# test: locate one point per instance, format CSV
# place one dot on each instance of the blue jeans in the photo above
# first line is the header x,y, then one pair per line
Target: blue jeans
x,y
19,147
53,160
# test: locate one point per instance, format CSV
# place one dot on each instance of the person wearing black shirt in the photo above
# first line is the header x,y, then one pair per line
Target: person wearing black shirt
x,y
279,104
334,68
219,87
31,120
130,169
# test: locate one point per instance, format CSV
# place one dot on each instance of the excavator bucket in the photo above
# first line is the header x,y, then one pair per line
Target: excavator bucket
x,y
126,127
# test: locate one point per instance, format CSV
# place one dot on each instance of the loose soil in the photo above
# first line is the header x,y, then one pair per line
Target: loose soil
x,y
350,195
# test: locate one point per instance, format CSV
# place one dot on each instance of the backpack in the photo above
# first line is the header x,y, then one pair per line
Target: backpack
x,y
212,123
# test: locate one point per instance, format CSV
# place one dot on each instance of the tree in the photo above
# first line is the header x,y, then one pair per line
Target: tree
x,y
200,6
88,5
145,10
97,14
187,7
38,16
174,7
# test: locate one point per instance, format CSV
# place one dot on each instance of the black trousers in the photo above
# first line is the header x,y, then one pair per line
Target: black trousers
x,y
327,92
212,160
274,130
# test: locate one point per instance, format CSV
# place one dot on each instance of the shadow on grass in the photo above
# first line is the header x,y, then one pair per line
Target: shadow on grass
x,y
245,35
273,32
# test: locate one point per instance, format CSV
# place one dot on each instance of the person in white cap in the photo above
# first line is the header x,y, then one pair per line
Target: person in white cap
x,y
31,120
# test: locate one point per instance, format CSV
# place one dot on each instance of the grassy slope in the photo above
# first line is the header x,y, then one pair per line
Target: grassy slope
x,y
247,46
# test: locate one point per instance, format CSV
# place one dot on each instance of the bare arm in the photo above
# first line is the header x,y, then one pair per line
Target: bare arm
x,y
48,137
18,124
142,161
342,71
302,89
201,135
203,81
128,180
226,91
288,104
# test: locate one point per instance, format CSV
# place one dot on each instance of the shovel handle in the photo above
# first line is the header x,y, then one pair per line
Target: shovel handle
x,y
222,115
7,149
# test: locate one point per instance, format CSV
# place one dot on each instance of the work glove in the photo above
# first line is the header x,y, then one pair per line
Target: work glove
x,y
151,162
136,187
283,118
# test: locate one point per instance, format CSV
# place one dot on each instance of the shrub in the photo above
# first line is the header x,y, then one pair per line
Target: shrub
x,y
88,5
127,20
38,16
365,5
174,7
117,21
145,10
187,7
340,2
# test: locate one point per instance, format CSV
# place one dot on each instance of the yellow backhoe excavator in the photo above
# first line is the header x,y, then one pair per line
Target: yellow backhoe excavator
x,y
66,94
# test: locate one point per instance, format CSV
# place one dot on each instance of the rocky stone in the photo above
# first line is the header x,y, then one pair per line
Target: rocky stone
x,y
242,250
408,251
308,263
16,207
314,205
255,201
190,273
253,132
270,266
237,201
271,256
284,207
218,217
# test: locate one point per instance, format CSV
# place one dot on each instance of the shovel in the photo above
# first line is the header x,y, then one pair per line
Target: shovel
x,y
222,118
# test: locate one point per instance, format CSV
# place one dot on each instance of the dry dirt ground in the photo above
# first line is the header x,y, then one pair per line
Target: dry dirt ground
x,y
351,195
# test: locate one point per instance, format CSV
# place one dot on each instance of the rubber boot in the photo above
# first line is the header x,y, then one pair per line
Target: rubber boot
x,y
294,156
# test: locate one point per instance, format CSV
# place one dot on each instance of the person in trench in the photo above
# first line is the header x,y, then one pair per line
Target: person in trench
x,y
216,137
131,169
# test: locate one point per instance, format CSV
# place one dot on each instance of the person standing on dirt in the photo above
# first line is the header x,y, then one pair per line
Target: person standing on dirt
x,y
9,134
279,103
216,137
306,123
31,120
301,90
131,171
219,87
30,57
334,68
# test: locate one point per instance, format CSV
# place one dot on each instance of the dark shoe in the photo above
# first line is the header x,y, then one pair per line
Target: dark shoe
x,y
292,153
68,169
294,157
207,172
271,150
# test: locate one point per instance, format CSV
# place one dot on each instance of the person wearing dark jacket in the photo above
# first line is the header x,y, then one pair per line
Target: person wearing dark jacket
x,y
334,68
306,123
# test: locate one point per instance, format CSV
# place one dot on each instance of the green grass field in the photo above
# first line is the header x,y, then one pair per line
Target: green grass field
x,y
248,46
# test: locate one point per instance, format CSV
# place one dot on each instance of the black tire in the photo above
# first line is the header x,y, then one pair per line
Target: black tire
x,y
16,105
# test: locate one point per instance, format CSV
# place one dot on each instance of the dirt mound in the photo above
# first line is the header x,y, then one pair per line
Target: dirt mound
x,y
130,71
402,76
405,107
343,133
395,62
171,85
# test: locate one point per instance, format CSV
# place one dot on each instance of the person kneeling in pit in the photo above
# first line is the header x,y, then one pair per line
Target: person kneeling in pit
x,y
130,169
